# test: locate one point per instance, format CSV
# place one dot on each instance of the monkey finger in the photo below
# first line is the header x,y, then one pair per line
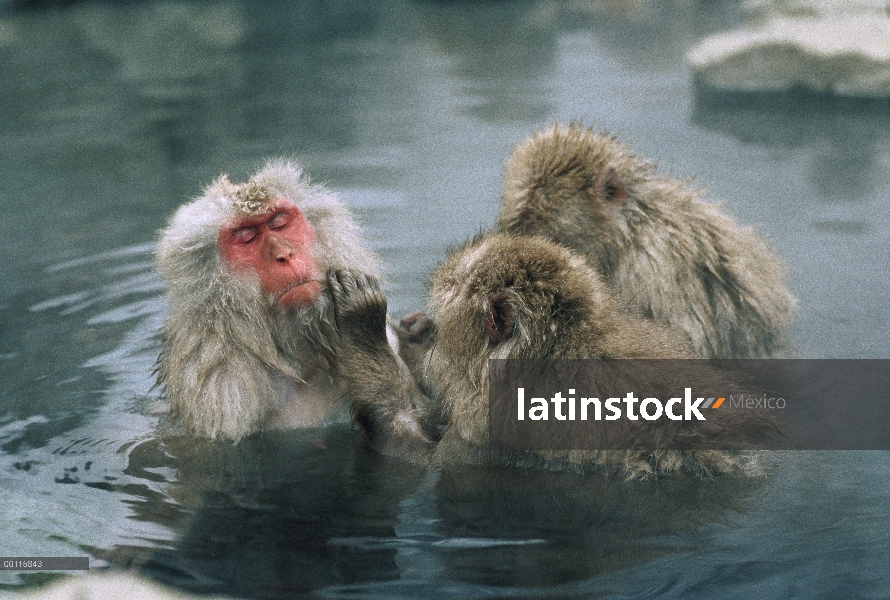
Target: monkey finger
x,y
408,320
362,281
345,279
334,286
371,282
372,290
331,276
420,329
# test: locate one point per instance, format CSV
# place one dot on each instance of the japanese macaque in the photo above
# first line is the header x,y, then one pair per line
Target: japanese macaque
x,y
509,296
663,252
275,314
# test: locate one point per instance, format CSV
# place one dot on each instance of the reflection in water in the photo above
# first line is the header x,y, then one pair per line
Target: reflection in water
x,y
502,52
845,136
79,416
648,36
258,518
589,525
176,62
112,114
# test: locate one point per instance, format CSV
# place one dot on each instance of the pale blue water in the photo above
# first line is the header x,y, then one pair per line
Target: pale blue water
x,y
112,114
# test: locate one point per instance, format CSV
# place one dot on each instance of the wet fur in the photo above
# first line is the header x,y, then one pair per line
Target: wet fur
x,y
561,309
663,252
226,353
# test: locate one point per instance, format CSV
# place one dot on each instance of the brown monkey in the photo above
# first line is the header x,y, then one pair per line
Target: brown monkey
x,y
510,296
662,251
253,339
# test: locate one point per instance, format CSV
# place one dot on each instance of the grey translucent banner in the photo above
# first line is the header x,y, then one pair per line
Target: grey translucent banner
x,y
45,563
689,404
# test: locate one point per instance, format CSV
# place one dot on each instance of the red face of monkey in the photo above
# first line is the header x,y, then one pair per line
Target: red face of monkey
x,y
277,246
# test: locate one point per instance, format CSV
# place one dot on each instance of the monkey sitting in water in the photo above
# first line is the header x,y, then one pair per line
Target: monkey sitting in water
x,y
663,252
253,339
508,296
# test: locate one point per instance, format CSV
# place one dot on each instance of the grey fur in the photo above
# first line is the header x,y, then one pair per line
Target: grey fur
x,y
227,353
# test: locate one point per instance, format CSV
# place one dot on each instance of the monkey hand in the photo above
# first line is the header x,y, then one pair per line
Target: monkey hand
x,y
359,310
416,334
418,328
381,392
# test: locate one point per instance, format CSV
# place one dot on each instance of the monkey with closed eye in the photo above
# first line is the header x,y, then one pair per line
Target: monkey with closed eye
x,y
275,317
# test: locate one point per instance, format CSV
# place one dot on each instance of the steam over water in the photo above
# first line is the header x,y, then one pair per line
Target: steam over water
x,y
112,114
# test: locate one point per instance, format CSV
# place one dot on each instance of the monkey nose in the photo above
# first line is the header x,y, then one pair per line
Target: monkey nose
x,y
283,254
280,252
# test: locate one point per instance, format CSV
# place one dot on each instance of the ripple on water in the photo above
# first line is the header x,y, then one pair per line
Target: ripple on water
x,y
71,472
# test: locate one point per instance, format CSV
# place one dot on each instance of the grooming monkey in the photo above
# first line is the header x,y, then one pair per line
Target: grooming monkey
x,y
510,296
662,251
269,289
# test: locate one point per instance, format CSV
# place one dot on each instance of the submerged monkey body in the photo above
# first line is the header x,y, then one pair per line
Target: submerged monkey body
x,y
665,254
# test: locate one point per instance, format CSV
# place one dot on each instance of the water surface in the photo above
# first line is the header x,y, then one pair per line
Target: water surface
x,y
112,114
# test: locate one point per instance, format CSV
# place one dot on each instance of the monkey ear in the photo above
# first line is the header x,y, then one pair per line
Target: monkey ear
x,y
610,187
499,320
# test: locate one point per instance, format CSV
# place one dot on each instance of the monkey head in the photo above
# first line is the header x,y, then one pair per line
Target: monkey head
x,y
572,186
663,251
514,297
274,235
247,319
277,246
507,296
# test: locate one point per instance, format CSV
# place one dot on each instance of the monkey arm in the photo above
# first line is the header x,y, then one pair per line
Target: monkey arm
x,y
383,396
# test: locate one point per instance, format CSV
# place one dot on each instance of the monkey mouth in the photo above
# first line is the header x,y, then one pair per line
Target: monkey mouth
x,y
300,293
